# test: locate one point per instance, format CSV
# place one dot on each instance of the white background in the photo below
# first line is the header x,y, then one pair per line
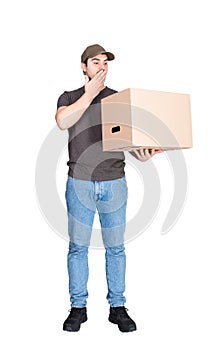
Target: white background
x,y
174,282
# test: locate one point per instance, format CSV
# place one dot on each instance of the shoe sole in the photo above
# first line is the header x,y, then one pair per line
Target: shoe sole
x,y
132,329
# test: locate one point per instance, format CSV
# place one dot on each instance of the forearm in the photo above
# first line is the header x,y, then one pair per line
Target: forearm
x,y
68,116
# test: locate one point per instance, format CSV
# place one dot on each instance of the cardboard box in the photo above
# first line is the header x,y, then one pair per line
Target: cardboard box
x,y
135,118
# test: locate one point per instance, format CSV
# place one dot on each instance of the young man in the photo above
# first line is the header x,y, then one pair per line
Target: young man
x,y
96,181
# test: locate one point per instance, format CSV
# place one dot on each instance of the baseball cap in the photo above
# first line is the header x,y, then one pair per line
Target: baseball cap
x,y
94,50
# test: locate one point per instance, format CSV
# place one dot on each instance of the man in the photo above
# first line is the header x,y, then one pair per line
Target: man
x,y
96,181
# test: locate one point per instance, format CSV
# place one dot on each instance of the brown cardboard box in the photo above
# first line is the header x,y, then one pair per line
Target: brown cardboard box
x,y
135,118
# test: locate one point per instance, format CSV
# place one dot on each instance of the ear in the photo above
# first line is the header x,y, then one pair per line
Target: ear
x,y
83,67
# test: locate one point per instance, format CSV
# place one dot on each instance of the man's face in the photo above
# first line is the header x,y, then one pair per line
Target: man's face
x,y
96,64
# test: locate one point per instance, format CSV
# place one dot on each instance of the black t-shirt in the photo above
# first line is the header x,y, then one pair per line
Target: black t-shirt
x,y
87,161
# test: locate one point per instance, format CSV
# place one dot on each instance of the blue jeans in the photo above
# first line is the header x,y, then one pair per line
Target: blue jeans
x,y
109,198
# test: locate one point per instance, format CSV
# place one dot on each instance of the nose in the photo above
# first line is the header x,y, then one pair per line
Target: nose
x,y
102,65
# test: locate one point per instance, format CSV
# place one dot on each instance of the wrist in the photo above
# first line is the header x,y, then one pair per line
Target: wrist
x,y
89,97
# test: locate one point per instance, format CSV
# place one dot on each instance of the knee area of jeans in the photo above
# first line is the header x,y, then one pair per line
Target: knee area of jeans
x,y
77,249
118,250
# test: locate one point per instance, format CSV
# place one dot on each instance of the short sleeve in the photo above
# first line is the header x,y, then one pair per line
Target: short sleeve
x,y
63,100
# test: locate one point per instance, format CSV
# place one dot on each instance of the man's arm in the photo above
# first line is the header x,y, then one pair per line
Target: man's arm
x,y
144,154
67,116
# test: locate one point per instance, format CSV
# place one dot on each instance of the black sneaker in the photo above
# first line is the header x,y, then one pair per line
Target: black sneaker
x,y
119,316
77,316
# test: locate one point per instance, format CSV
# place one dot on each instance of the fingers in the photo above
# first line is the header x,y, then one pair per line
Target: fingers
x,y
141,154
100,76
96,84
144,154
155,151
152,152
99,79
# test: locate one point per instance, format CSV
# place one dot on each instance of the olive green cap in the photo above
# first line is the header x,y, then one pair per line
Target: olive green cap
x,y
95,50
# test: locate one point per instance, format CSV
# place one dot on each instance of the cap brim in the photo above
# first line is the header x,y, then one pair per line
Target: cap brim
x,y
109,55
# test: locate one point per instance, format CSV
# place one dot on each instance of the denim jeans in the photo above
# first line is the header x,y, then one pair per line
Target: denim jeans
x,y
109,198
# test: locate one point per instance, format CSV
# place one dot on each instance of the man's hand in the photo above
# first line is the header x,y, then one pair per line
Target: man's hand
x,y
96,84
144,154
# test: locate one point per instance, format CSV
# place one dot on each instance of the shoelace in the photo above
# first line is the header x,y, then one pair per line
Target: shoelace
x,y
122,311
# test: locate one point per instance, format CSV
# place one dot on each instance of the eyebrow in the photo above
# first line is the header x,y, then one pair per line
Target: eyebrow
x,y
98,59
